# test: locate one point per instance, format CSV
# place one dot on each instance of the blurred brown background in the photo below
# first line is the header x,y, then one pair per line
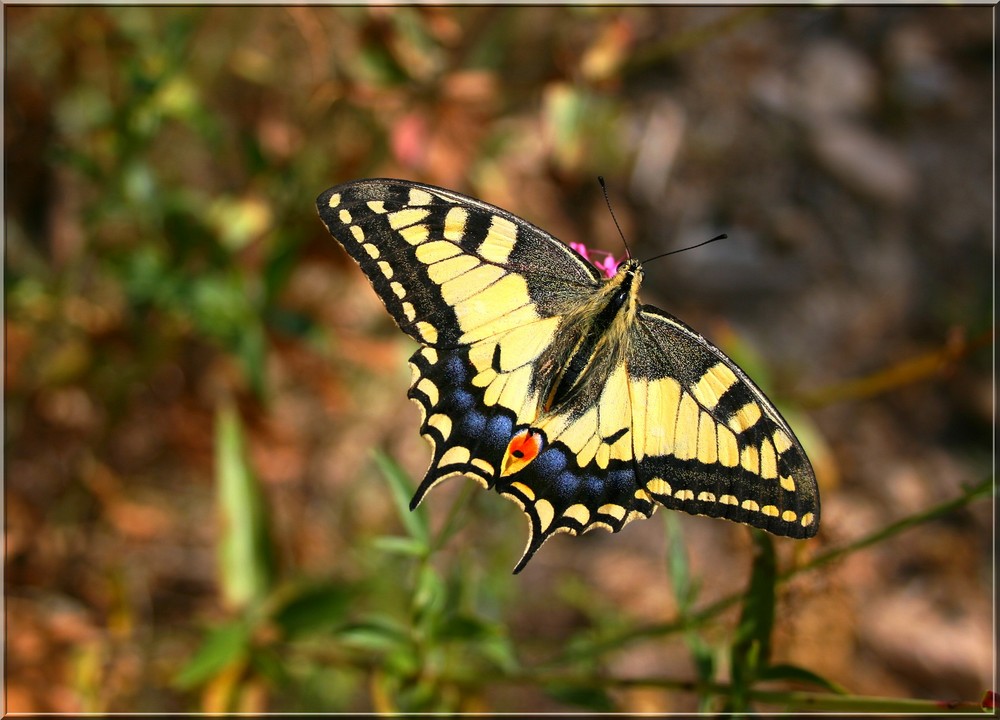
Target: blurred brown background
x,y
162,255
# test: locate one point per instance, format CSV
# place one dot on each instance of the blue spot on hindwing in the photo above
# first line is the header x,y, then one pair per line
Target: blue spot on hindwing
x,y
567,485
461,400
471,424
617,486
454,369
499,430
550,462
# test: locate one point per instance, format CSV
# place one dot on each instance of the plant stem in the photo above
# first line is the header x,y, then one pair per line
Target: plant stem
x,y
698,618
789,701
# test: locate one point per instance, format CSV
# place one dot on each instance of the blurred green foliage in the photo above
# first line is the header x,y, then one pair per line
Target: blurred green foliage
x,y
421,634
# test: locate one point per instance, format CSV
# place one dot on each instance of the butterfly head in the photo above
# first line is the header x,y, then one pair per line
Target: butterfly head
x,y
632,268
628,278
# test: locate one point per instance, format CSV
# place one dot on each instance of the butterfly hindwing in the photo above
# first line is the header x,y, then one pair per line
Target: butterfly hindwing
x,y
585,476
540,379
722,448
677,424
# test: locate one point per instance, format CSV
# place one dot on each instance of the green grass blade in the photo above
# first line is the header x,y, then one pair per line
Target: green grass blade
x,y
751,649
677,564
401,488
246,554
223,646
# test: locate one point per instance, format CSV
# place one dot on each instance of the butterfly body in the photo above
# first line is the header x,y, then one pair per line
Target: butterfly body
x,y
557,387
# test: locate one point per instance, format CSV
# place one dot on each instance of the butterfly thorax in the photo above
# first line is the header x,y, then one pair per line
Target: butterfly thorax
x,y
595,340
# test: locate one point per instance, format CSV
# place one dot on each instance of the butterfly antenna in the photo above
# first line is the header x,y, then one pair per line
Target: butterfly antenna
x,y
723,236
607,200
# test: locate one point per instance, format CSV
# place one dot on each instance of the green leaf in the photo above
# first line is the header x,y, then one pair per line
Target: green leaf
x,y
799,674
222,306
595,699
223,646
703,656
246,555
401,489
400,545
497,649
677,565
271,665
314,609
485,638
375,633
431,598
464,628
217,303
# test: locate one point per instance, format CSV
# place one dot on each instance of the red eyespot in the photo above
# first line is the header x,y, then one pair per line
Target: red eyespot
x,y
522,449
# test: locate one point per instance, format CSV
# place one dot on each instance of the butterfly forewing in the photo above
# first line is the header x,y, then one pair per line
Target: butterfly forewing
x,y
583,424
445,264
485,293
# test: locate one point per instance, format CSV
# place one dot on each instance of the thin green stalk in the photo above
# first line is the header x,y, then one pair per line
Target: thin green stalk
x,y
709,611
983,489
800,700
788,701
455,514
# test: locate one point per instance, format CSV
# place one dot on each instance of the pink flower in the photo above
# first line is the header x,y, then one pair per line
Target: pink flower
x,y
607,264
